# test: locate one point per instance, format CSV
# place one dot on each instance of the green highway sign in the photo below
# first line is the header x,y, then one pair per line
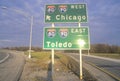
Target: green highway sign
x,y
65,13
63,38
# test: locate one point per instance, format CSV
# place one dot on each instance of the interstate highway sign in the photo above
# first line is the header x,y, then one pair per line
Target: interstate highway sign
x,y
63,38
65,13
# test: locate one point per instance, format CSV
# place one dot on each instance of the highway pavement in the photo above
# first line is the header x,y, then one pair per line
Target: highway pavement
x,y
112,66
11,68
2,55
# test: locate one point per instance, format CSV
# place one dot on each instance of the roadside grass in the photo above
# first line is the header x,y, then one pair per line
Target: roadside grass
x,y
35,68
108,55
41,61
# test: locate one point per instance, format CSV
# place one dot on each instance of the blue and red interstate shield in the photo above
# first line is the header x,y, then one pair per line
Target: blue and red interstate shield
x,y
63,33
50,9
51,32
63,8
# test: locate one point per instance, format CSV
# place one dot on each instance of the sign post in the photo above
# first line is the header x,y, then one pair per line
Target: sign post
x,y
52,55
80,51
81,72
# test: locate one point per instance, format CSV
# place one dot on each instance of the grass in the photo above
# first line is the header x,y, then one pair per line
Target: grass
x,y
39,55
108,55
41,61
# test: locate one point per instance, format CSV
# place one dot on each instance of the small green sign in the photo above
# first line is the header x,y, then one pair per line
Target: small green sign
x,y
63,38
65,13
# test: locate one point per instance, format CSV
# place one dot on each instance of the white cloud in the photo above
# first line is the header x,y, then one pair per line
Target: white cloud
x,y
5,40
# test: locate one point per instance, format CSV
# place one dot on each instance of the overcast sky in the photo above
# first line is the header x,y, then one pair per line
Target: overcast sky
x,y
103,21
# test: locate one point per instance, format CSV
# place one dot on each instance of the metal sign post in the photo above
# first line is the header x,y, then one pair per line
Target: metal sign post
x,y
52,55
81,73
80,51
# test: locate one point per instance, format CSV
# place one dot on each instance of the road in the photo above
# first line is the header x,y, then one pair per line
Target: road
x,y
11,68
110,65
2,55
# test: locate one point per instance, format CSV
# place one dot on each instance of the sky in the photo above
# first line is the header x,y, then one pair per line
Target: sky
x,y
103,21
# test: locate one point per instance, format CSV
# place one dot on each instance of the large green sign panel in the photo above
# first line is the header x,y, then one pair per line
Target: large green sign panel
x,y
65,13
63,38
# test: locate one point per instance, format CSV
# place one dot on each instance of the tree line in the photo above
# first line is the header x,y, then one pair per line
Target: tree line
x,y
104,48
23,48
99,48
94,48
